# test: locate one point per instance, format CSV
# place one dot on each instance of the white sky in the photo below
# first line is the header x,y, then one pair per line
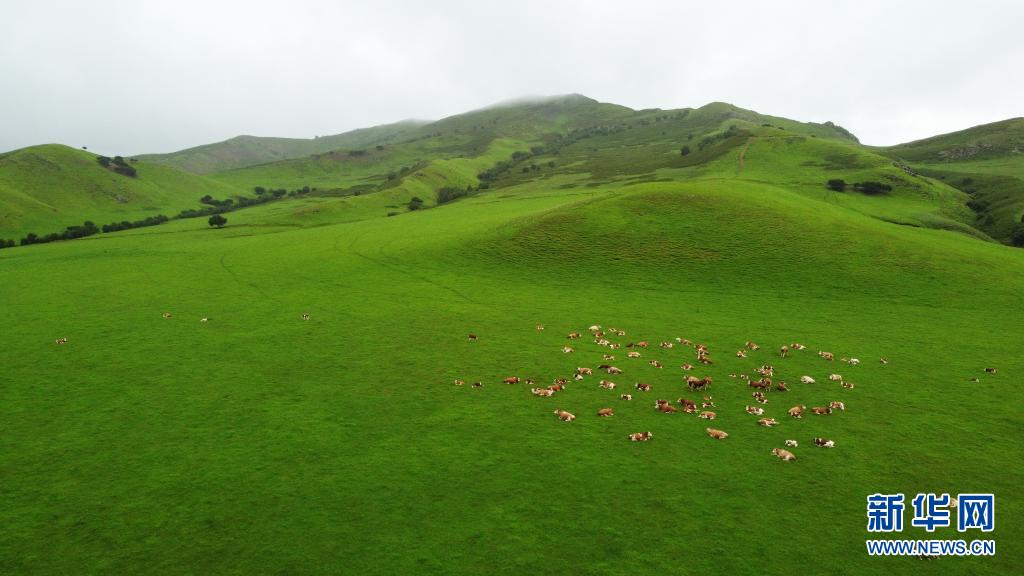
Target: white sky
x,y
133,77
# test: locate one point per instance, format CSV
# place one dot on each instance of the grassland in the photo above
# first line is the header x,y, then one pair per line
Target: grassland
x,y
261,443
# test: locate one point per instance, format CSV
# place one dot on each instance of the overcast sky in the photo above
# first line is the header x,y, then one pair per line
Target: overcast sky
x,y
134,77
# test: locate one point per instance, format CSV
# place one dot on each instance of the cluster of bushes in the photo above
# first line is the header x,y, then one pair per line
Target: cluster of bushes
x,y
449,193
7,244
729,132
416,203
70,233
126,225
870,187
117,164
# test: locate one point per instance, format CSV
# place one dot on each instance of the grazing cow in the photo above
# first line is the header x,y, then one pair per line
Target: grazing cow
x,y
883,360
791,444
689,406
478,385
459,382
707,415
716,434
990,370
821,410
694,383
826,355
543,392
609,357
755,410
472,337
848,385
640,436
564,416
607,384
781,386
783,454
837,405
752,346
666,408
741,354
760,398
784,351
632,354
511,380
540,327
613,370
168,315
807,380
687,366
605,412
797,411
626,397
643,387
61,340
573,335
656,364
835,377
567,349
768,422
824,443
797,346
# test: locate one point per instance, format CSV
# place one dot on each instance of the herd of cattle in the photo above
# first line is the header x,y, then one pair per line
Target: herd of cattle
x,y
762,382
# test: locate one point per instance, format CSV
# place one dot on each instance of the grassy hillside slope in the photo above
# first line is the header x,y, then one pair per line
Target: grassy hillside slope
x,y
242,151
259,442
45,188
987,163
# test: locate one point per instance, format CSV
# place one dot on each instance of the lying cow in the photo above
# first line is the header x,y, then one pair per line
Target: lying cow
x,y
567,350
707,415
837,405
666,408
760,398
168,315
613,370
716,434
848,385
990,370
835,377
607,384
687,366
755,410
542,392
784,454
511,380
632,354
640,436
821,410
573,335
781,386
827,355
655,363
605,412
459,382
768,422
584,371
564,416
477,385
824,443
643,387
626,397
791,444
807,380
61,340
689,406
797,411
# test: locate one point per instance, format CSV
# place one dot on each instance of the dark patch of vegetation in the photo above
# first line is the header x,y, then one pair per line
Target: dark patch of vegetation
x,y
1017,236
684,151
126,225
416,203
836,184
70,233
449,193
117,164
7,244
217,220
872,188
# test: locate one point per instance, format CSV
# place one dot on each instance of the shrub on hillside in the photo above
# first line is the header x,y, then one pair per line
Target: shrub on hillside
x,y
1017,238
416,203
217,220
872,188
6,244
684,150
836,184
448,194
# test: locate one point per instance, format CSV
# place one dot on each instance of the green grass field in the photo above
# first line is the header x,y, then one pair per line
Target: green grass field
x,y
261,443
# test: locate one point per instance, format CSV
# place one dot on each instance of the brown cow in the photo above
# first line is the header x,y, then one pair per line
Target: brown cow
x,y
656,364
848,385
472,337
556,387
607,384
584,371
755,410
707,415
61,341
826,355
511,380
689,406
564,416
837,405
640,436
605,412
821,410
626,397
760,398
781,386
784,454
666,408
687,366
632,354
797,411
824,443
573,335
567,350
716,434
768,422
543,392
990,370
752,346
784,351
478,385
613,370
459,382
643,387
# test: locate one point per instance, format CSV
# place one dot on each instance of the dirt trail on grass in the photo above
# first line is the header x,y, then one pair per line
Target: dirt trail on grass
x,y
742,158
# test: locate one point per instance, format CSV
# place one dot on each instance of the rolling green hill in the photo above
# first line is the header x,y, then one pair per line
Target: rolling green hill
x,y
987,163
260,442
242,151
46,188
